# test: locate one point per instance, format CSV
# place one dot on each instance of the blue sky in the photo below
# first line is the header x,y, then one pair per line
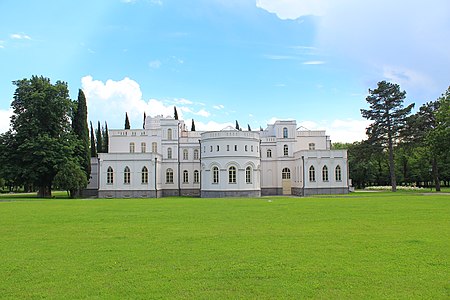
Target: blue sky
x,y
218,61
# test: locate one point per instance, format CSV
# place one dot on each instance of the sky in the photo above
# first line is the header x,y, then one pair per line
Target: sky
x,y
218,61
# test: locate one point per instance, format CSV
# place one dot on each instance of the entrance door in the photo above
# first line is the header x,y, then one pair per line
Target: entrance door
x,y
286,181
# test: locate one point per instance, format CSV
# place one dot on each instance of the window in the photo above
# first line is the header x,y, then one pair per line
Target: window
x,y
169,175
235,147
338,173
110,176
285,150
228,147
312,146
269,153
154,147
143,147
218,148
325,173
285,133
169,134
185,154
215,172
144,175
126,175
248,174
251,148
196,176
169,153
286,173
312,174
232,174
246,148
185,176
195,154
131,147
210,148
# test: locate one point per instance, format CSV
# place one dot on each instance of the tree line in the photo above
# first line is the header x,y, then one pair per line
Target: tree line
x,y
401,148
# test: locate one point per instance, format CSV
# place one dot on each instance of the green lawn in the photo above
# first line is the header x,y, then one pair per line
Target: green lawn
x,y
365,245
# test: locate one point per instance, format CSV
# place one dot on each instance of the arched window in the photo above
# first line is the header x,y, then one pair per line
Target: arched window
x,y
325,173
312,174
169,134
210,148
248,174
154,147
246,148
144,175
110,176
126,175
285,133
185,154
169,175
269,153
169,153
143,147
232,174
215,173
185,176
285,150
218,148
131,147
312,146
195,154
196,176
338,173
286,173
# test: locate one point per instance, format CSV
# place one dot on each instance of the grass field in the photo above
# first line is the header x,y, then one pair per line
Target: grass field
x,y
365,245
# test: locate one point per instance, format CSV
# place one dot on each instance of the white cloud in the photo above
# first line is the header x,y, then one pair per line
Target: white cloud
x,y
183,101
314,62
293,9
211,126
154,64
220,106
2,47
20,36
5,116
203,113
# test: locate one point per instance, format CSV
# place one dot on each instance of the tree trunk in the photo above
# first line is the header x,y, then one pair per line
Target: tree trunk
x,y
44,192
436,178
392,164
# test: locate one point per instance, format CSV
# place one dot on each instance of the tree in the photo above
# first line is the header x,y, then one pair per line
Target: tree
x,y
143,124
106,139
389,116
127,121
248,127
193,125
40,132
71,178
237,126
175,113
93,148
80,128
99,139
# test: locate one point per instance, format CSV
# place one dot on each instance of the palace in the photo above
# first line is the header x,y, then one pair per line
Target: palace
x,y
164,159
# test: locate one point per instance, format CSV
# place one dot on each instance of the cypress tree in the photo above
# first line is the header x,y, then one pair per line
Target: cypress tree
x,y
175,113
106,139
143,124
99,139
127,121
93,148
193,125
248,127
237,125
80,128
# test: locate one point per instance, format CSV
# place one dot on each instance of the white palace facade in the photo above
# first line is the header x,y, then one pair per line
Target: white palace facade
x,y
164,159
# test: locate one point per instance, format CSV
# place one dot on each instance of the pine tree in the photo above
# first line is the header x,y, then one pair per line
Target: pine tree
x,y
99,139
80,128
193,125
237,126
143,124
248,127
93,147
175,113
389,118
127,121
106,139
